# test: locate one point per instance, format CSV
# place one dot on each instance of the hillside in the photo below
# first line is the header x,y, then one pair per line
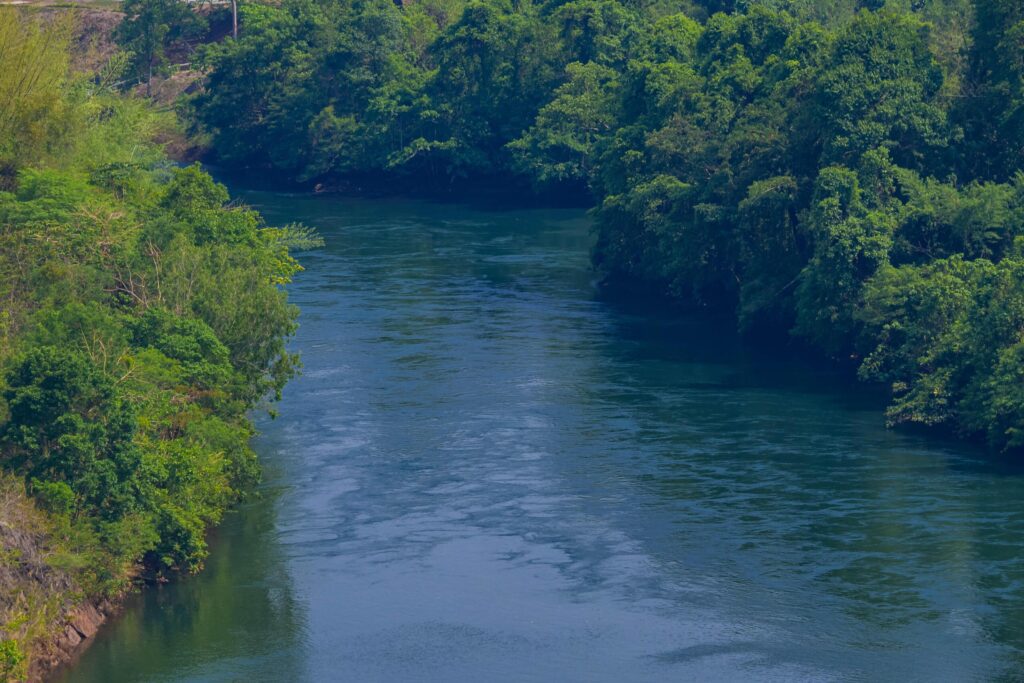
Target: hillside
x,y
141,319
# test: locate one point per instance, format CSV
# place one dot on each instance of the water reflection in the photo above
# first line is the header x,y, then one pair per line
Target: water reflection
x,y
238,620
872,548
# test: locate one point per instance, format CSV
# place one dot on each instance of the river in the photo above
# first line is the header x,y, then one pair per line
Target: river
x,y
488,472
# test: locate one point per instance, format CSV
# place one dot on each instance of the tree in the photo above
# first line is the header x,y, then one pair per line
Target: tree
x,y
35,64
68,424
851,228
561,145
994,112
882,87
495,68
313,88
153,27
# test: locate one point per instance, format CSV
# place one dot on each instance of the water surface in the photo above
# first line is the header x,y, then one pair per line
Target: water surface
x,y
489,473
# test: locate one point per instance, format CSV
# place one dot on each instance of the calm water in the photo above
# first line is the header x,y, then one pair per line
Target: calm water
x,y
488,473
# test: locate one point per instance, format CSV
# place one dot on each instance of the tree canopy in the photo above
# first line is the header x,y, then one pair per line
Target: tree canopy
x,y
142,316
800,163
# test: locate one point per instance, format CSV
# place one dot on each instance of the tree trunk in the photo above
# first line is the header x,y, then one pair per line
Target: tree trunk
x,y
234,18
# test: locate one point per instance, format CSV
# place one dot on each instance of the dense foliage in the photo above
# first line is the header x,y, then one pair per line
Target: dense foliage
x,y
826,181
844,170
152,29
141,317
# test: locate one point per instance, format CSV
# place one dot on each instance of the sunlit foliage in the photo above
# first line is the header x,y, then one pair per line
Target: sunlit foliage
x,y
141,318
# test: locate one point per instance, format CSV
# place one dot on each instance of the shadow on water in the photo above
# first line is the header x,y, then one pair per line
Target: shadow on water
x,y
237,620
781,476
652,328
482,193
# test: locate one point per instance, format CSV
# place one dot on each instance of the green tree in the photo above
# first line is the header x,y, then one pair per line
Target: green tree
x,y
994,114
561,145
152,28
35,61
494,69
67,423
851,229
314,88
882,87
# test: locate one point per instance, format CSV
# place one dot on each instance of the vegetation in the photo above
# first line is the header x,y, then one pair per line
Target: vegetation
x,y
152,28
848,172
141,317
845,171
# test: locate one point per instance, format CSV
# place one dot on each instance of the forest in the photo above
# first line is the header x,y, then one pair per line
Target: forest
x,y
843,175
142,316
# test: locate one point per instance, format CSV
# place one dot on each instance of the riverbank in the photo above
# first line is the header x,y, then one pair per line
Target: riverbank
x,y
143,319
38,599
80,626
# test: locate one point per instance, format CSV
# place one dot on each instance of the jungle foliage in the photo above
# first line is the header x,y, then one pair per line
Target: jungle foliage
x,y
847,171
141,317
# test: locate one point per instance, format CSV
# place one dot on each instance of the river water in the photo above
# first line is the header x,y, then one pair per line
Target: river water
x,y
487,472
